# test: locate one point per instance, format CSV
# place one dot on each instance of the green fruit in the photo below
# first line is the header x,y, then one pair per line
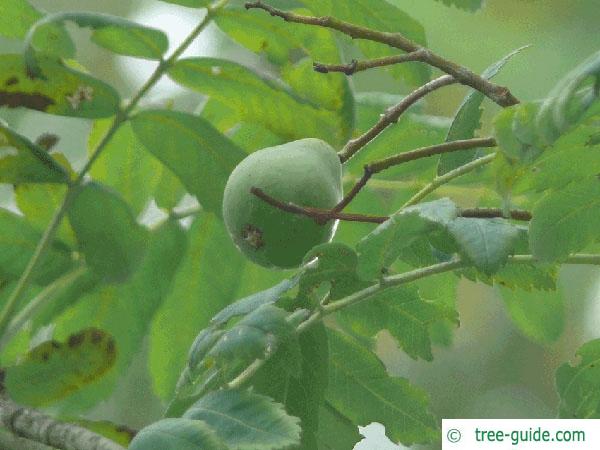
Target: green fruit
x,y
307,172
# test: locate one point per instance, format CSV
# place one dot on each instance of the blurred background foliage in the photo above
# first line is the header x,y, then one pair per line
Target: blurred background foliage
x,y
490,369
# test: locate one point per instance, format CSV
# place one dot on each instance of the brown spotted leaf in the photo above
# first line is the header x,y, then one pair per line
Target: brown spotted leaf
x,y
61,90
53,370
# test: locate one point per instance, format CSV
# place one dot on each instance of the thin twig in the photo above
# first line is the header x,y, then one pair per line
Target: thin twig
x,y
424,152
360,66
447,177
392,115
33,425
322,216
499,94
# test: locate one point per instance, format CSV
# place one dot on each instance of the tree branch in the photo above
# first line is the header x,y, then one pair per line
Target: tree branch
x,y
360,66
392,115
322,216
499,94
35,426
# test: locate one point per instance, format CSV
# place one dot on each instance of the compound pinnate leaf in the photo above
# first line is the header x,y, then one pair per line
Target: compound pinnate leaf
x,y
487,243
467,119
404,314
255,99
177,434
107,233
579,385
245,420
380,248
540,315
29,163
566,220
361,390
18,241
53,370
196,152
62,90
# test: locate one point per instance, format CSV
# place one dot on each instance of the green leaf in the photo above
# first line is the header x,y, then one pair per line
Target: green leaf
x,y
196,152
335,430
382,16
121,434
127,167
404,314
579,385
17,18
22,161
62,91
380,248
539,315
566,220
125,310
512,276
467,119
177,434
486,243
258,100
245,420
18,241
113,33
107,233
360,389
469,5
54,370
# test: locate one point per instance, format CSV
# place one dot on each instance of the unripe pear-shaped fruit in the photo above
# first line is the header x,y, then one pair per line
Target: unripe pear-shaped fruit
x,y
307,172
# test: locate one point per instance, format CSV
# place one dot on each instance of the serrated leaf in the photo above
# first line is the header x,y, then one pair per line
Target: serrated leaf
x,y
113,33
486,243
54,370
578,385
380,248
107,233
22,161
539,315
177,434
467,119
62,91
404,314
566,220
256,99
361,390
17,18
196,152
469,5
245,420
18,241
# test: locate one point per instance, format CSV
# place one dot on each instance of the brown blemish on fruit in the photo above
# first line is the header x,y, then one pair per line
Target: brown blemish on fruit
x,y
75,340
38,102
45,356
253,236
110,347
11,81
96,336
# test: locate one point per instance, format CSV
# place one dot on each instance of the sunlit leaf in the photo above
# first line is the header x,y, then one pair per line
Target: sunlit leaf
x,y
469,5
54,370
243,419
62,91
